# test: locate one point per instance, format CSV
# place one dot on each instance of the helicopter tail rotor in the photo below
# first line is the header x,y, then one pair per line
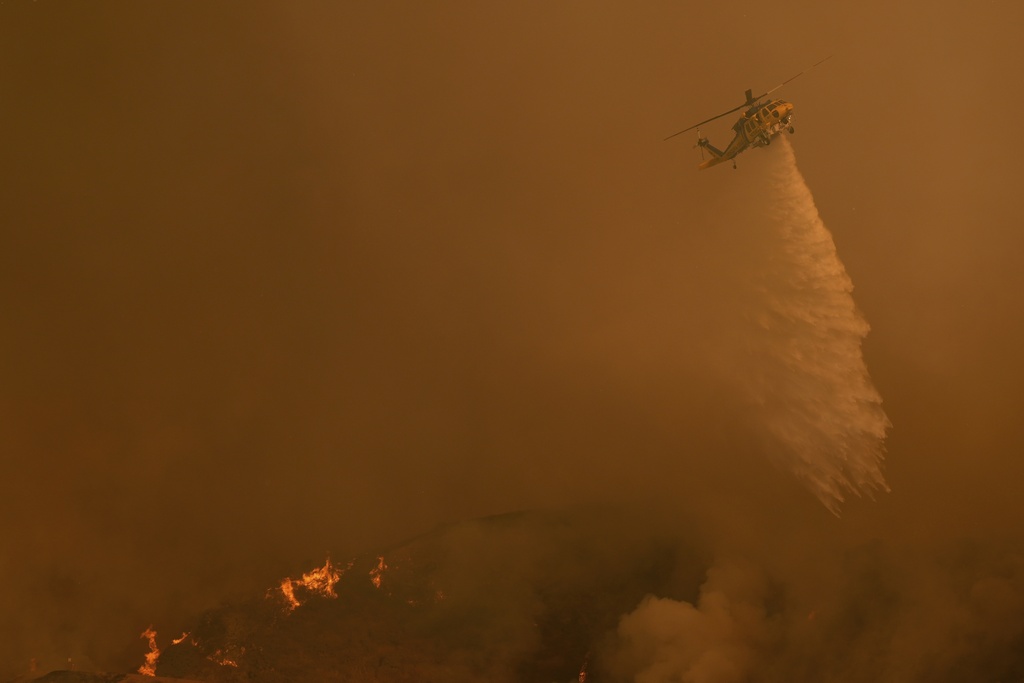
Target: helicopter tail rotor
x,y
702,142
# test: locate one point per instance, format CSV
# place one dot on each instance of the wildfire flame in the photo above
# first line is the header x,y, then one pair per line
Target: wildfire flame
x,y
221,657
288,591
319,581
376,572
149,668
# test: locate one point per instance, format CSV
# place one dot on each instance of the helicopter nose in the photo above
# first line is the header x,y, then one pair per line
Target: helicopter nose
x,y
785,110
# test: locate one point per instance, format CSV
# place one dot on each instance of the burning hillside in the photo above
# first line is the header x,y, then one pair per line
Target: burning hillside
x,y
602,598
510,598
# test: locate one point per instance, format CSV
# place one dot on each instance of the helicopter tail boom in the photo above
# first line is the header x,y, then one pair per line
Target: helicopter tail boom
x,y
708,163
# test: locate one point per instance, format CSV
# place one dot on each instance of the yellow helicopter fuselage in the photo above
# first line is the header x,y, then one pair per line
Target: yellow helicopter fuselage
x,y
755,128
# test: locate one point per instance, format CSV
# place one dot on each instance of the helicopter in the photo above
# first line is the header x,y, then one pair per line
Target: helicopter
x,y
761,121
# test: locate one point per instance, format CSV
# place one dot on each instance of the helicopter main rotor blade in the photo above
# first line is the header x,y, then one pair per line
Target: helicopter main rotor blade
x,y
750,101
696,125
793,77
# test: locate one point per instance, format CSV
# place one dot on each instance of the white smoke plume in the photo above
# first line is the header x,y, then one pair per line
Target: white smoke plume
x,y
874,612
718,640
804,370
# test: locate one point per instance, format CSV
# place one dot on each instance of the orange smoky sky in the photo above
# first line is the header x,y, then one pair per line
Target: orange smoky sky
x,y
278,279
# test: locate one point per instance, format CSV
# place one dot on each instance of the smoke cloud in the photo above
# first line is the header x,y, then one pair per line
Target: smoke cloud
x,y
718,640
868,612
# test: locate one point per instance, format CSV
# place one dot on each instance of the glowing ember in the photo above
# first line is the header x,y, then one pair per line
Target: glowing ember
x,y
376,572
149,668
176,641
319,581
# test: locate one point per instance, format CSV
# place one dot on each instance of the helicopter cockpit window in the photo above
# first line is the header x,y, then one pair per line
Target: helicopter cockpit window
x,y
775,113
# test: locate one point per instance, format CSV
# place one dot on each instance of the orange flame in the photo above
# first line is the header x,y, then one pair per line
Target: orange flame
x,y
177,641
375,573
149,668
288,591
319,581
222,658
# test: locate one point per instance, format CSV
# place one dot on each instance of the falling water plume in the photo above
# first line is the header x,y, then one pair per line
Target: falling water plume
x,y
806,377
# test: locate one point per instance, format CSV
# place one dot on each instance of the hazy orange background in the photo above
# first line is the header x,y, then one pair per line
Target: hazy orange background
x,y
278,279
